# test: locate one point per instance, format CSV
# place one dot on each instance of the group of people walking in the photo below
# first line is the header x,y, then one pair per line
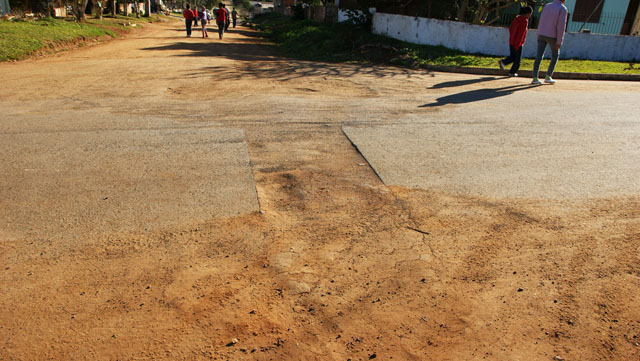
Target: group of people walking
x,y
551,30
222,16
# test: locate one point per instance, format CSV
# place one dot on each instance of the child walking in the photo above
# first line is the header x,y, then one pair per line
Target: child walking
x,y
204,20
517,37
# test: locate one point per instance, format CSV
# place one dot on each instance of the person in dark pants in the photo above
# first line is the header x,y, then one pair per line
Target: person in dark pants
x,y
221,17
551,29
234,17
227,19
195,15
188,19
517,37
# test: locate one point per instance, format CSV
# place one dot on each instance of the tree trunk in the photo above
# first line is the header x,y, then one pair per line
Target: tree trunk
x,y
462,10
113,8
147,8
78,8
126,9
97,4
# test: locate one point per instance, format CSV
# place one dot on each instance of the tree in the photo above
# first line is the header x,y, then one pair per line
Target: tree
x,y
486,12
79,7
97,4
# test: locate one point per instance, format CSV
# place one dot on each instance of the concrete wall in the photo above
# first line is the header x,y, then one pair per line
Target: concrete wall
x,y
495,41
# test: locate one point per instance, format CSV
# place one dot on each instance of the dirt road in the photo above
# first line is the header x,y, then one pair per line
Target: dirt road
x,y
336,265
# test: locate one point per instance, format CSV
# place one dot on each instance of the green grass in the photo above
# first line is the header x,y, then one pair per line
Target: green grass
x,y
304,39
20,39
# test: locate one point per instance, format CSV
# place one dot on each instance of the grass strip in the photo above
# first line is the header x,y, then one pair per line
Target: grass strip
x,y
343,42
20,39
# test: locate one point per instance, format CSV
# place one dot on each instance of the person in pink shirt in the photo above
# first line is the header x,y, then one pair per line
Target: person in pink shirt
x,y
553,22
517,37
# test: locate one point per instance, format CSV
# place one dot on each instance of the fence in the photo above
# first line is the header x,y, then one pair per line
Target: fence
x,y
609,23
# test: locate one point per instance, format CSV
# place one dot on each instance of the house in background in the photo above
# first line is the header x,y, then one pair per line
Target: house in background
x,y
614,17
603,16
283,6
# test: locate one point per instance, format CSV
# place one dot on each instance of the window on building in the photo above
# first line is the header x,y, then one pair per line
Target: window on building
x,y
584,8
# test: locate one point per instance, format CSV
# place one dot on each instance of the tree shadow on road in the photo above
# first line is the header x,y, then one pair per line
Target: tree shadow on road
x,y
261,61
477,95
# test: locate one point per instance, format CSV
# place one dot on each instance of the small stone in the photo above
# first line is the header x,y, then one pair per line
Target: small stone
x,y
233,342
558,358
373,356
297,288
520,290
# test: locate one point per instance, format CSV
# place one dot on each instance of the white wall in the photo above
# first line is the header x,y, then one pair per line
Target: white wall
x,y
495,41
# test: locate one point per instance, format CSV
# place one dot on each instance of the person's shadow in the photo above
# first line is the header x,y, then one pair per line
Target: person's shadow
x,y
477,95
450,84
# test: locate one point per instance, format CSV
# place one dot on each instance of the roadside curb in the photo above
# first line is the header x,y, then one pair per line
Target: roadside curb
x,y
528,73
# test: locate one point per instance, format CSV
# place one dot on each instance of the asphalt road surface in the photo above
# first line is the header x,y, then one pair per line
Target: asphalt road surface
x,y
164,197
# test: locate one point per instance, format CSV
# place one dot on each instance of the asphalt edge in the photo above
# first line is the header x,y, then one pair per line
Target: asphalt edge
x,y
353,144
529,73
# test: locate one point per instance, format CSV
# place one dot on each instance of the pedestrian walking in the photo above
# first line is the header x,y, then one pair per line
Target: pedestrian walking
x,y
234,17
227,19
204,20
221,16
551,28
188,19
195,15
517,37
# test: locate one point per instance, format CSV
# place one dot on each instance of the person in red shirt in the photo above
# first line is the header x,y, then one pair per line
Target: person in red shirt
x,y
188,19
517,37
221,18
195,15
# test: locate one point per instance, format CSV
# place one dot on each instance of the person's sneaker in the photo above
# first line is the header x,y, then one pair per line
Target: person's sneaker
x,y
536,81
513,74
549,80
501,64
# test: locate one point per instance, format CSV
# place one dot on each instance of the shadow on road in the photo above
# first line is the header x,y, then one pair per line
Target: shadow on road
x,y
262,62
478,95
451,84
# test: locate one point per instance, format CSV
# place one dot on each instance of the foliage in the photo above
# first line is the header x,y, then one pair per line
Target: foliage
x,y
476,11
487,12
298,12
348,42
360,18
243,4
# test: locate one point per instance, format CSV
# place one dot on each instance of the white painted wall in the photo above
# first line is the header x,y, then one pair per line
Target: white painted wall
x,y
495,41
